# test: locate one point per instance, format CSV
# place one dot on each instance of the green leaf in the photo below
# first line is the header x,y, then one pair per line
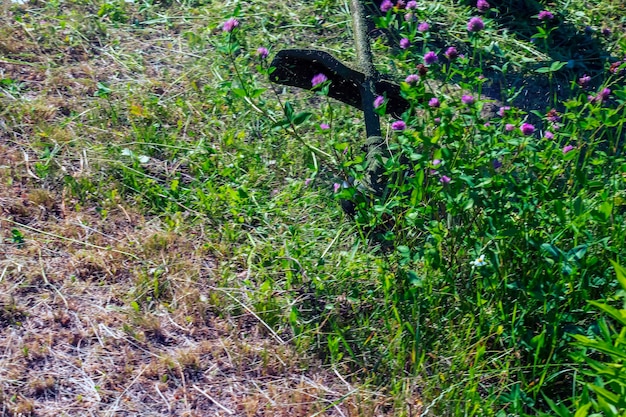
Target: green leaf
x,y
404,250
256,92
577,253
301,117
558,206
605,210
583,410
606,394
239,92
567,268
468,204
289,110
415,279
103,90
554,67
17,238
619,315
617,354
560,409
578,206
538,340
469,180
621,274
552,250
282,123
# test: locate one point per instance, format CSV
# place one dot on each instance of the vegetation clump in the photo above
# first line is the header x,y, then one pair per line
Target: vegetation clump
x,y
171,226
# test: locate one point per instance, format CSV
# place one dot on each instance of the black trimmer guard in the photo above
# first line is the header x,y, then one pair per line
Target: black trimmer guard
x,y
297,67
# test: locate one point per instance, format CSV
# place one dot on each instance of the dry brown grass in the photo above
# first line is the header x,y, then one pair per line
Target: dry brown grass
x,y
71,343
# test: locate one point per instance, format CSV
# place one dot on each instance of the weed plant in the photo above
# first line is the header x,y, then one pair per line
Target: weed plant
x,y
493,230
606,379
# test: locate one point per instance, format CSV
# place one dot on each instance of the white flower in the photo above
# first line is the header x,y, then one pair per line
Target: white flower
x,y
480,261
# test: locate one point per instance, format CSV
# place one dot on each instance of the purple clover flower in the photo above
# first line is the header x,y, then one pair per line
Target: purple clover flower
x,y
567,148
553,116
436,162
386,5
527,129
412,79
378,101
451,53
434,102
601,96
475,24
430,58
545,15
502,110
262,52
398,125
318,79
604,94
467,99
405,43
584,81
615,68
548,135
509,127
482,5
230,24
324,126
445,179
411,5
423,27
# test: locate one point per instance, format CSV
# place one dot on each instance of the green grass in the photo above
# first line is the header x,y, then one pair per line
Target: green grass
x,y
166,238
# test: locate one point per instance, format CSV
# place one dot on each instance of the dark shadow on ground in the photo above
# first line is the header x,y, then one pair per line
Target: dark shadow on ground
x,y
580,49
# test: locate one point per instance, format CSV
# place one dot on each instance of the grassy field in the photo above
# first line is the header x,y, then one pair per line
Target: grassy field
x,y
172,238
